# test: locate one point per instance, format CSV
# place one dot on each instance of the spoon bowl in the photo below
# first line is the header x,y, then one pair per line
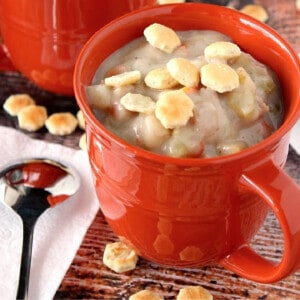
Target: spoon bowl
x,y
30,187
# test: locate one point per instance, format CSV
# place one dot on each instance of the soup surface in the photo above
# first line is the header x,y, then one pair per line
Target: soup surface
x,y
200,97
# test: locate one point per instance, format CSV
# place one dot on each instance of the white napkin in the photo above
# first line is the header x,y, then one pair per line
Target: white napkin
x,y
58,232
295,137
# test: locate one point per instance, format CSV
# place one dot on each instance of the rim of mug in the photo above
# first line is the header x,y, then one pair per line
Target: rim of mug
x,y
267,143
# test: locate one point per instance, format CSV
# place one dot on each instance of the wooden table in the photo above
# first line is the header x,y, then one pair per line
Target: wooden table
x,y
88,278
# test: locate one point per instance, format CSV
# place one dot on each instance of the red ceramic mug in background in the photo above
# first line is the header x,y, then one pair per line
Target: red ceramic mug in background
x,y
197,211
44,37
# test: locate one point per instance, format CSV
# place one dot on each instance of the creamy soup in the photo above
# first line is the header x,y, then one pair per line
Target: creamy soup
x,y
204,98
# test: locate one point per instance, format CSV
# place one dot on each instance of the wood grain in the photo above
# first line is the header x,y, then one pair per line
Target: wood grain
x,y
285,19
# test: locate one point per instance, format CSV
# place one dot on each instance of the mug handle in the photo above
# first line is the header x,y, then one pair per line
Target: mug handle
x,y
282,194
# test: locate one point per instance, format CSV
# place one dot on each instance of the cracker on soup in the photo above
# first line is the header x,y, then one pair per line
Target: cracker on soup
x,y
160,79
162,37
126,78
138,103
219,77
184,71
221,51
174,108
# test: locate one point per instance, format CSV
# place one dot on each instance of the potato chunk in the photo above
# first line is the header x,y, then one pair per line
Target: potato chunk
x,y
231,147
242,99
150,131
99,96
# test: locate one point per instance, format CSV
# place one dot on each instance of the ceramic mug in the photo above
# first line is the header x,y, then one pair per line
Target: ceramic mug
x,y
197,211
43,37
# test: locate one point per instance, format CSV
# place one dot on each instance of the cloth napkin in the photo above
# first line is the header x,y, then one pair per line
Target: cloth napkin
x,y
295,137
58,232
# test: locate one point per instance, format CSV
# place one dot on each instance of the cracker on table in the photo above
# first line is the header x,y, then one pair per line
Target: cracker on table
x,y
255,11
82,142
32,117
194,293
61,123
15,103
119,257
80,119
145,295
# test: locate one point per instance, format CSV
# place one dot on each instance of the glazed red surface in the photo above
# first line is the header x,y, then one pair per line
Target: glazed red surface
x,y
191,212
5,62
44,37
37,174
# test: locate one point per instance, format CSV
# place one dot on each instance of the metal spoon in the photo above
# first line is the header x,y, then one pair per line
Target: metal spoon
x,y
29,187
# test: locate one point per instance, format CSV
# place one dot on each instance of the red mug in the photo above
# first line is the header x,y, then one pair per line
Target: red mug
x,y
44,37
197,211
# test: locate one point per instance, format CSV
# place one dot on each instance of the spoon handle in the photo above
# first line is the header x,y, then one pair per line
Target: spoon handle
x,y
29,207
28,228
